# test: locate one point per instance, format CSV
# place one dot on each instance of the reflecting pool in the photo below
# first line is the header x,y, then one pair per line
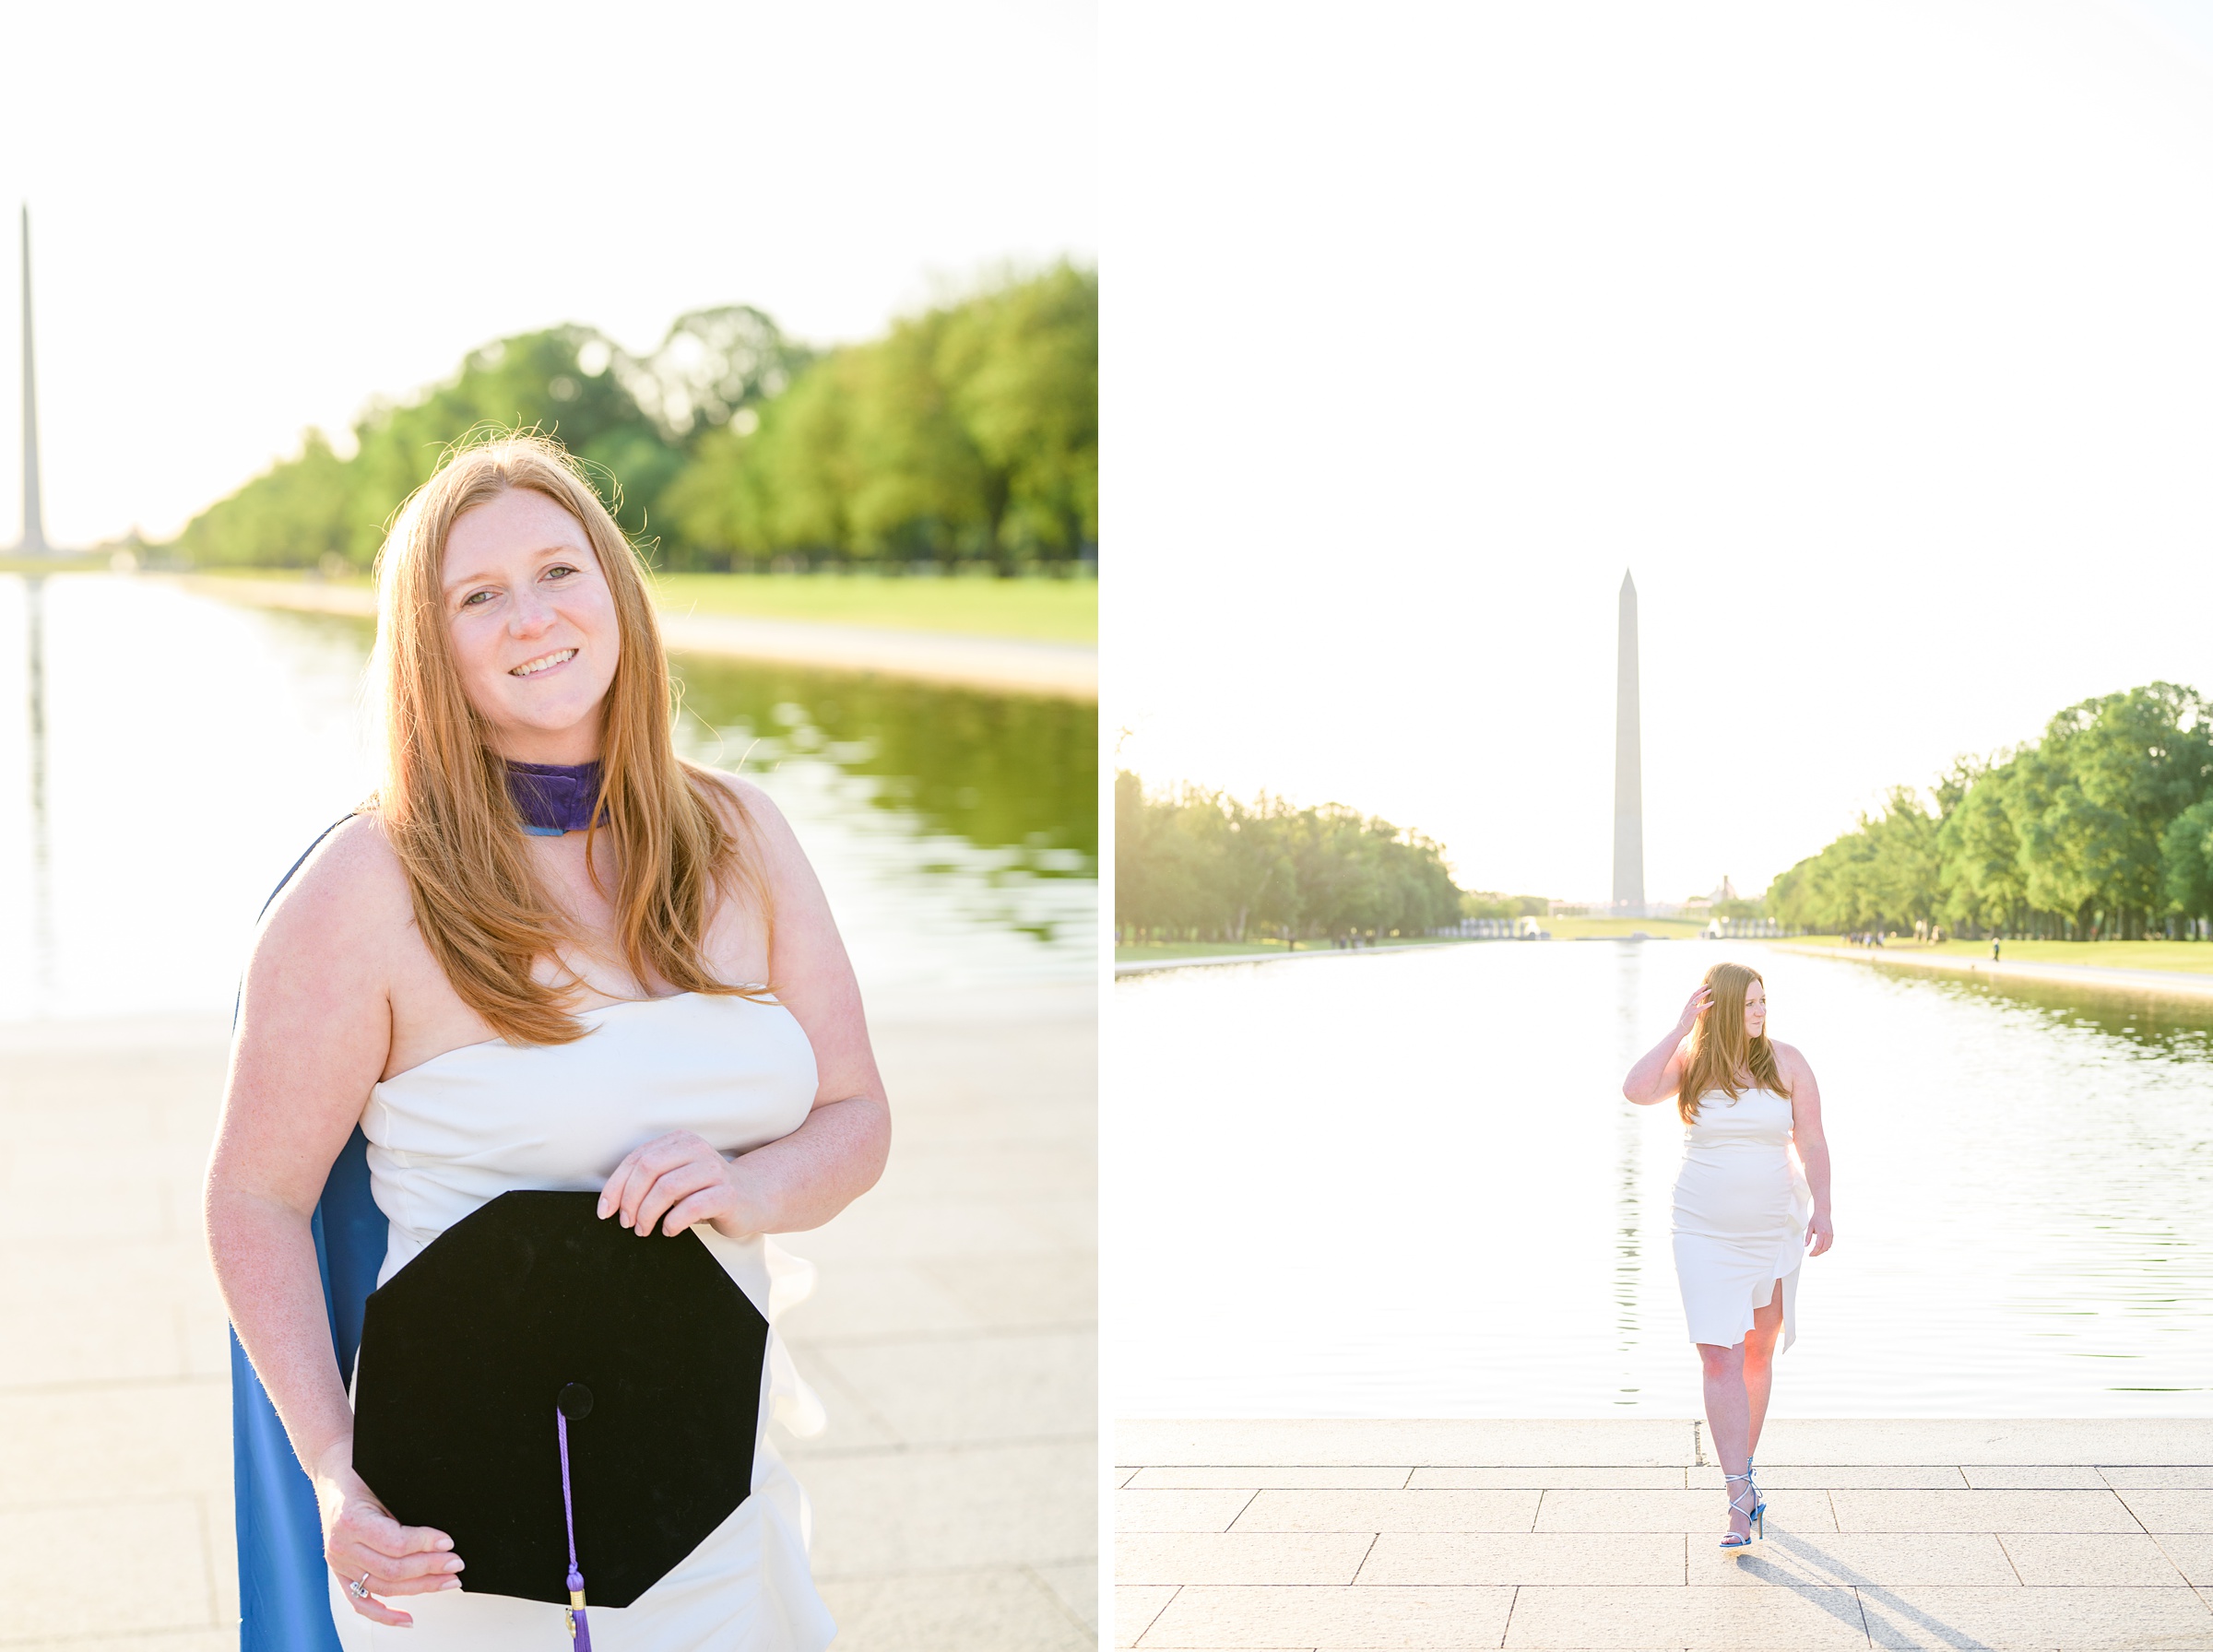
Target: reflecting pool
x,y
1407,1184
168,756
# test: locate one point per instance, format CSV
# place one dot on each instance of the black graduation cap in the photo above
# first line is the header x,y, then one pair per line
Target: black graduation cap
x,y
536,1364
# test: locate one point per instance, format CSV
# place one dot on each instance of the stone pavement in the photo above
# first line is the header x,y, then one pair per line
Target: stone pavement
x,y
954,1492
1567,1535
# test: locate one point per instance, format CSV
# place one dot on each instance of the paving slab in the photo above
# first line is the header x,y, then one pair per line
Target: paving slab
x,y
924,1388
1301,1479
1701,1514
1240,1557
1617,1478
878,1512
2181,1476
1135,1607
2092,1440
1519,1557
2034,1476
2113,1558
1784,1619
1851,1559
92,1568
1391,1511
1987,1511
2173,1511
1480,1443
1196,1510
2034,1620
954,1611
1828,1477
2192,1556
1335,1618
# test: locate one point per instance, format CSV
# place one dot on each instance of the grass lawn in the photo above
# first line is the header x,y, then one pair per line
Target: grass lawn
x,y
1566,928
1223,948
1041,610
2191,957
54,564
286,575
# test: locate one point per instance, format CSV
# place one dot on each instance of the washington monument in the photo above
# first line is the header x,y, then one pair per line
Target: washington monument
x,y
1628,769
33,543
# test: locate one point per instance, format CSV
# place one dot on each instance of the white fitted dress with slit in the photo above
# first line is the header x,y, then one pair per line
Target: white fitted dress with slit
x,y
451,1135
1741,1210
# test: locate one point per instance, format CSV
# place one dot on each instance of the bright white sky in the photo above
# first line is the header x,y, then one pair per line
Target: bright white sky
x,y
250,218
1876,337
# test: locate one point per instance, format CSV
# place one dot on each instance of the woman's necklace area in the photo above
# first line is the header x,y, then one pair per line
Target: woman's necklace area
x,y
553,798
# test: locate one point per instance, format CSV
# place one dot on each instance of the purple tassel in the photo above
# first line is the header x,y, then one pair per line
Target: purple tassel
x,y
580,1628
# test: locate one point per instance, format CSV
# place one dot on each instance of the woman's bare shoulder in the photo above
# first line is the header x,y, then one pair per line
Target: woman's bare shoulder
x,y
1791,1059
351,891
748,809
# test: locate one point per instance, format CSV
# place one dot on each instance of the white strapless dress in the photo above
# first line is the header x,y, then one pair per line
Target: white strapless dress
x,y
1741,1210
455,1133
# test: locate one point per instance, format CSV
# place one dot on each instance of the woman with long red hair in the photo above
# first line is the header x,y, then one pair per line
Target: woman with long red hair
x,y
1752,1196
548,954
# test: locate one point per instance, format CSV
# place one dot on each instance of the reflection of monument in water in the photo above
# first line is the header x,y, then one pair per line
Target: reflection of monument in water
x,y
33,544
1629,769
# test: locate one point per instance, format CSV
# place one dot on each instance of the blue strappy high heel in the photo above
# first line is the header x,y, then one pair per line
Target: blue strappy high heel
x,y
1737,1506
1759,1498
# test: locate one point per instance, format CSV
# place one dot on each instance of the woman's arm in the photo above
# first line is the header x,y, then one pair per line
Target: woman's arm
x,y
804,1179
1812,1143
1659,1072
313,1031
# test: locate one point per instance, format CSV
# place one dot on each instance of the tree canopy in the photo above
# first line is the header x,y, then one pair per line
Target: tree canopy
x,y
1195,864
969,433
2103,828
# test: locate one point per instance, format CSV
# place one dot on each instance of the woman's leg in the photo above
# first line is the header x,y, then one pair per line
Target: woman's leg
x,y
1729,1418
1760,1364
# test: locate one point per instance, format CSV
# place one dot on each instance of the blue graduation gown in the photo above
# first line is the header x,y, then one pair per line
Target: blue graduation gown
x,y
283,1588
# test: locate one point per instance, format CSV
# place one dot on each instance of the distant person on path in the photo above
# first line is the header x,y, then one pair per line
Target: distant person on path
x,y
1994,948
542,958
1753,1193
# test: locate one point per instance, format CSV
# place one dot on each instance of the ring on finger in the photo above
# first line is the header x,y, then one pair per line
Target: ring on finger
x,y
358,1587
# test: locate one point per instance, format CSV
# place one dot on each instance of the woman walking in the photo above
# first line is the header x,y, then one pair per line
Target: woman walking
x,y
542,958
1752,1195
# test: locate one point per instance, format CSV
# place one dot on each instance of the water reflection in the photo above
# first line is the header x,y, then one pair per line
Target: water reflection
x,y
41,869
1629,1242
1423,1194
1001,770
981,808
180,752
2173,1029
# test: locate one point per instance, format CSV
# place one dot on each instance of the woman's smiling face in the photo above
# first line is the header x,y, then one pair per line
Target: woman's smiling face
x,y
533,626
1756,1010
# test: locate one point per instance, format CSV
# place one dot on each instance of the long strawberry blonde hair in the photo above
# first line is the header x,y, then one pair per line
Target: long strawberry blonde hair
x,y
679,836
1721,1049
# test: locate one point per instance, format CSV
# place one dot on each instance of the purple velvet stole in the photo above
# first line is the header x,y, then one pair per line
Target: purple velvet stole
x,y
554,798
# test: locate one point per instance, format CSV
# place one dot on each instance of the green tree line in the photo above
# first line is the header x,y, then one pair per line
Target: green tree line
x,y
2101,830
1194,865
968,433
